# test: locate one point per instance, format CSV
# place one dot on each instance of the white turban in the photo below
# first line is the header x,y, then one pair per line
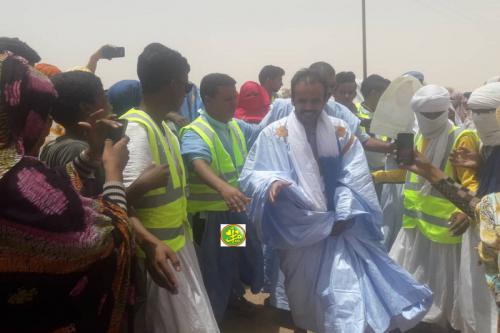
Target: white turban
x,y
493,79
431,98
485,98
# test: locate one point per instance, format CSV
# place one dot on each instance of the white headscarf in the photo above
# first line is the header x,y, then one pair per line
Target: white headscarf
x,y
493,79
488,127
432,98
486,97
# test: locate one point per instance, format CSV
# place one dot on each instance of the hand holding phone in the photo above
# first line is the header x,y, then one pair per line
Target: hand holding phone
x,y
115,134
110,52
404,148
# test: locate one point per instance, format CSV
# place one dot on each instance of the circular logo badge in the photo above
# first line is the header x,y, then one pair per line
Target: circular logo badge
x,y
233,235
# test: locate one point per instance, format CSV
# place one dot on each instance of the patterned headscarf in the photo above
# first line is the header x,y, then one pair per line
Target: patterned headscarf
x,y
26,97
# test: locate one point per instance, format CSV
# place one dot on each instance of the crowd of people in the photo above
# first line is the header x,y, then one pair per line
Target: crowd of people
x,y
114,201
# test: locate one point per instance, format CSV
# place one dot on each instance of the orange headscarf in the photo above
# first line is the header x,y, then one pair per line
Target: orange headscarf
x,y
49,70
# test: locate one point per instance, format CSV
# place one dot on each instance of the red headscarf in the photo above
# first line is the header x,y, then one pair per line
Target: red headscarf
x,y
253,102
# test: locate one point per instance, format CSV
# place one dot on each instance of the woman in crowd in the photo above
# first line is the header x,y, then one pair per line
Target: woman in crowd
x,y
65,259
253,103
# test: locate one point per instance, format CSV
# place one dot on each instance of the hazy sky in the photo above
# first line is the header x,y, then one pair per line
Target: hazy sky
x,y
454,42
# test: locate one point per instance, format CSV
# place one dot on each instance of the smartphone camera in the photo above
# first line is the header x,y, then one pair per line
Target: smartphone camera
x,y
404,148
115,134
110,52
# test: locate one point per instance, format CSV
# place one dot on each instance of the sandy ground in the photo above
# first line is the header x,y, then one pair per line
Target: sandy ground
x,y
265,320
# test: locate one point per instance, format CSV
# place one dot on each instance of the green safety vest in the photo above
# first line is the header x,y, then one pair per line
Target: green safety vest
x,y
162,211
202,197
431,213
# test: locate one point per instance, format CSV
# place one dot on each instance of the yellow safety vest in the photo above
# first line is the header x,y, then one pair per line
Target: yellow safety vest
x,y
365,114
362,112
202,197
431,213
163,211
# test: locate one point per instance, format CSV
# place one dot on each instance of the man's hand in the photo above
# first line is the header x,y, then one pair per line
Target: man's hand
x,y
464,158
378,146
177,119
95,130
157,257
114,158
276,188
423,167
459,222
234,198
95,57
98,55
153,177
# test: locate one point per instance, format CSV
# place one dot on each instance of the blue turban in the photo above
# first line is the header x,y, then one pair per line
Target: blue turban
x,y
125,95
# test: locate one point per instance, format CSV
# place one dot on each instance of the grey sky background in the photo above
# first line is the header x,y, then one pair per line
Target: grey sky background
x,y
454,42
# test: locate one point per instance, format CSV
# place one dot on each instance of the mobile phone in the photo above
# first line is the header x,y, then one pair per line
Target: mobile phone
x,y
404,148
110,52
115,134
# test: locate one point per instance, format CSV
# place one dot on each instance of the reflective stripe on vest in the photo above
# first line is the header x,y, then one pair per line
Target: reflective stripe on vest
x,y
363,115
163,211
167,233
201,196
431,213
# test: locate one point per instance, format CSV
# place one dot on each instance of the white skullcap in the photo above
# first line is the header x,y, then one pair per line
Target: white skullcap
x,y
431,98
485,98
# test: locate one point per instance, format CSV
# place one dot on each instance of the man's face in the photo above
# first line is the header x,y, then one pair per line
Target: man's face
x,y
178,91
101,103
332,84
171,95
375,95
276,84
309,101
223,105
344,93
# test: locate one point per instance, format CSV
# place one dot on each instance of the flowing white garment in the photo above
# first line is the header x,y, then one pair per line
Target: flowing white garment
x,y
436,265
391,201
476,302
188,311
393,114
